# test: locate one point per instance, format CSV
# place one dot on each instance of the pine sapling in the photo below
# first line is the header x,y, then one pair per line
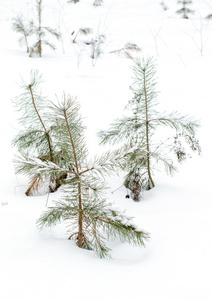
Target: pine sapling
x,y
36,139
139,131
96,47
184,11
90,218
25,29
164,6
98,2
40,33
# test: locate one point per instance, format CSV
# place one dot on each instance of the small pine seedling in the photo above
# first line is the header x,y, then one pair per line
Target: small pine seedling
x,y
40,33
90,218
96,47
98,2
138,132
26,30
164,6
184,11
36,139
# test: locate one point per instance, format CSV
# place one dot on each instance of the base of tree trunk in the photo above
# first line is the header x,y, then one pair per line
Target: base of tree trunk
x,y
37,186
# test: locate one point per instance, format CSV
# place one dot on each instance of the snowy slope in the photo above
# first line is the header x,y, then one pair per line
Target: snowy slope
x,y
176,264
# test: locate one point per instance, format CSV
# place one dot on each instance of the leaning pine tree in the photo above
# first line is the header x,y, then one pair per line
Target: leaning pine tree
x,y
139,132
23,28
36,138
90,218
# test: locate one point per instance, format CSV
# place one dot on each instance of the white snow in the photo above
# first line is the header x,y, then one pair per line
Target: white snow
x,y
176,264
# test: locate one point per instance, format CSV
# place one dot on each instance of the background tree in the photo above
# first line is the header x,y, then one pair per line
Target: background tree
x,y
139,131
96,47
40,33
209,17
37,136
26,30
164,6
90,218
184,11
98,2
73,1
95,3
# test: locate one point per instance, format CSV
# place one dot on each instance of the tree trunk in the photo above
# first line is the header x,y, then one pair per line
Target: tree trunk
x,y
150,180
55,183
80,231
26,41
39,29
80,220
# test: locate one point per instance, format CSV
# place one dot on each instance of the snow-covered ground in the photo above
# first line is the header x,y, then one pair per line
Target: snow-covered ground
x,y
176,264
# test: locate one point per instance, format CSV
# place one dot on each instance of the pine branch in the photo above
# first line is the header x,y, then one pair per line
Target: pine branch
x,y
119,131
26,139
34,166
83,31
52,31
127,49
167,162
50,45
178,122
209,17
55,214
108,163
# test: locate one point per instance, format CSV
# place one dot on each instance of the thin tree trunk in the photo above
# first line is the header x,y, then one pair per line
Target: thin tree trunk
x,y
44,127
80,234
39,28
26,41
56,181
147,135
80,229
40,48
33,102
74,40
